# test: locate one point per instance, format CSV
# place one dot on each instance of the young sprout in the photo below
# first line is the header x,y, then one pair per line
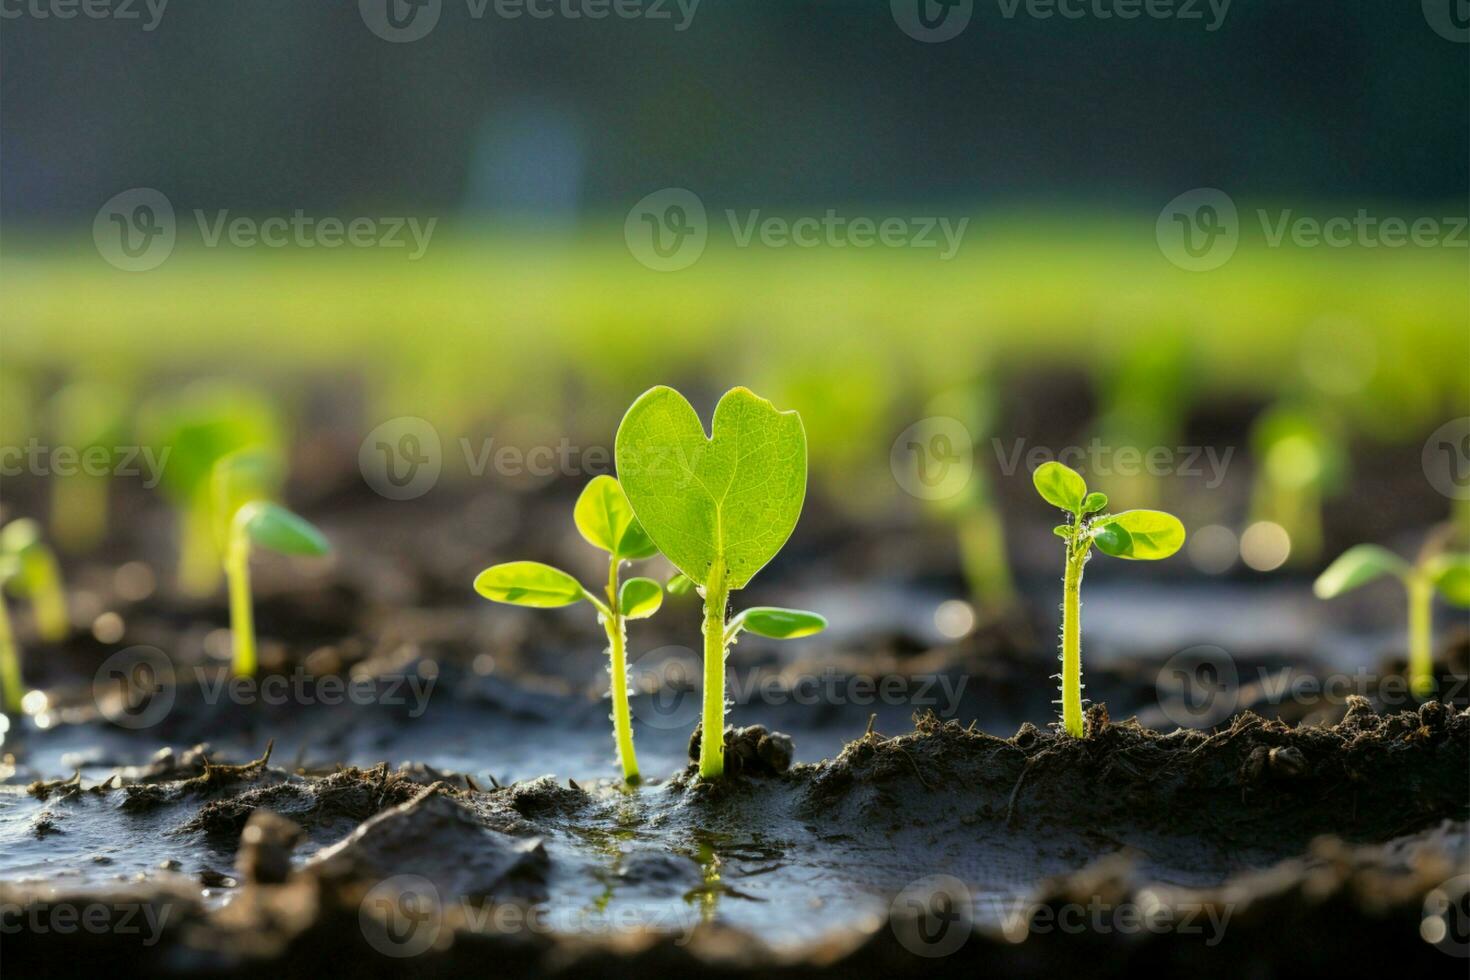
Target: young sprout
x,y
274,528
603,516
88,416
1133,534
198,426
1448,574
1300,462
719,507
27,568
37,577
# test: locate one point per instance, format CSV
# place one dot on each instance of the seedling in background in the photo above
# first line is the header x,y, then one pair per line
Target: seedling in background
x,y
89,416
603,516
198,427
718,507
1300,461
1434,571
274,528
1134,534
27,568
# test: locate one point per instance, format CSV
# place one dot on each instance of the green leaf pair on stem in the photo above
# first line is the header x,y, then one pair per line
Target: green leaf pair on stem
x,y
605,519
1139,535
28,568
1434,571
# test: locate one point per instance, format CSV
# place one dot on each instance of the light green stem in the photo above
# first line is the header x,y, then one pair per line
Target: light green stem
x,y
242,617
198,553
79,511
983,556
1072,634
48,600
10,680
617,634
712,740
1421,650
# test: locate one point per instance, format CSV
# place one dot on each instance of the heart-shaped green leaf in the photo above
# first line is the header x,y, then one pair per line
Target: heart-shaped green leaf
x,y
1094,502
1061,486
1147,535
529,583
1451,576
726,502
778,624
274,527
1064,531
606,520
640,598
1355,567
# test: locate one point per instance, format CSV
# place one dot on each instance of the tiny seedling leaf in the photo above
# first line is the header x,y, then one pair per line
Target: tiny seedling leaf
x,y
679,584
1064,531
1451,576
729,500
778,624
1060,486
34,563
529,583
606,520
273,527
1094,502
1148,535
640,598
1358,566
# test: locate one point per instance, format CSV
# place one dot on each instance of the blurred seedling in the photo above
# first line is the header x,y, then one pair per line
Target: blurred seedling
x,y
1145,535
719,507
90,417
1300,461
197,427
605,519
28,568
1435,570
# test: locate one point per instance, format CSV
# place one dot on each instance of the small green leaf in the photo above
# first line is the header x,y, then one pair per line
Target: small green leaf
x,y
778,624
276,528
1451,576
1358,566
679,584
640,598
1060,485
241,476
529,583
35,564
1151,535
725,502
1094,502
606,520
20,537
1064,531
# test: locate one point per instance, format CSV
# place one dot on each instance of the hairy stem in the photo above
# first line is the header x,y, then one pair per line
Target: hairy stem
x,y
617,635
712,740
242,617
1421,651
10,682
1072,633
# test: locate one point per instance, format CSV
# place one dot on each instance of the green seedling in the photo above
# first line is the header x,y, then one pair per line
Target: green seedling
x,y
89,416
27,568
1145,535
605,518
274,528
1434,571
1300,461
198,427
719,507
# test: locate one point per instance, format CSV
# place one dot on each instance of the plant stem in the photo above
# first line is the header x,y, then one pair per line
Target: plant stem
x,y
617,635
198,573
1421,651
48,600
1072,633
242,617
10,679
79,511
983,557
712,740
